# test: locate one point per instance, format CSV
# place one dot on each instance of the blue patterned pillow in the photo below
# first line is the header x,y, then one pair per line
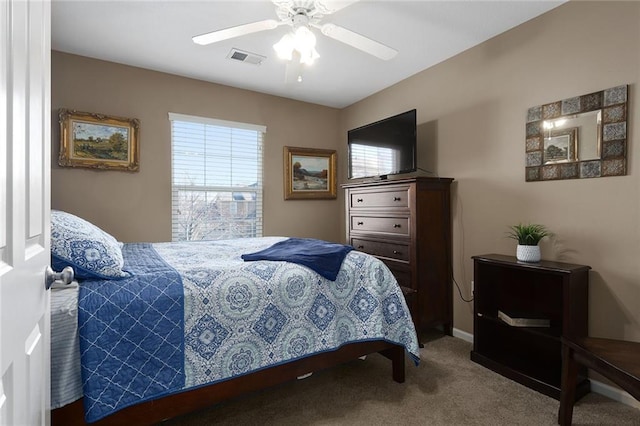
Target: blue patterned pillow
x,y
91,252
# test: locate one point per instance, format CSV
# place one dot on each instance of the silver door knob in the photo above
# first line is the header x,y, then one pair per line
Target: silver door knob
x,y
51,276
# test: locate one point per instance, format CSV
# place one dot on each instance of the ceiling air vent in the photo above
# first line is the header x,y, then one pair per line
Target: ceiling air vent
x,y
247,57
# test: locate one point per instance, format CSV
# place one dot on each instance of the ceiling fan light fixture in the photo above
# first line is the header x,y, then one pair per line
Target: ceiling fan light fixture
x,y
304,39
305,43
284,48
301,40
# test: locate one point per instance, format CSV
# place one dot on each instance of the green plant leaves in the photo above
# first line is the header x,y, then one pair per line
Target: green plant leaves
x,y
529,234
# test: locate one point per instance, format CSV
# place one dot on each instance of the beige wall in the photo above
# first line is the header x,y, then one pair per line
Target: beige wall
x,y
471,115
137,206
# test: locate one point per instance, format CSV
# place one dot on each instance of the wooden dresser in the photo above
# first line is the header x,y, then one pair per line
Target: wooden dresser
x,y
407,224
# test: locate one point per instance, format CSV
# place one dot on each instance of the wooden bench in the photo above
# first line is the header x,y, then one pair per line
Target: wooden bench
x,y
617,360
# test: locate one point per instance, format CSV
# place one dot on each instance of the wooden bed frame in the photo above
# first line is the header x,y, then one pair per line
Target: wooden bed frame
x,y
156,411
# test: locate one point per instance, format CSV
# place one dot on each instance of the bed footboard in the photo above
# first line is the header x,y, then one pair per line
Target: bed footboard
x,y
152,412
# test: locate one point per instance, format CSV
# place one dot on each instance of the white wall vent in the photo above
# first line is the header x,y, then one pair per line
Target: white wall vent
x,y
248,57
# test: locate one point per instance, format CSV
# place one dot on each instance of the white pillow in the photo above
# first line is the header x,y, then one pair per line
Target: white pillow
x,y
91,252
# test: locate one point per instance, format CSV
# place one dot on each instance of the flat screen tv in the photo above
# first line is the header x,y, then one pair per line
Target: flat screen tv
x,y
383,148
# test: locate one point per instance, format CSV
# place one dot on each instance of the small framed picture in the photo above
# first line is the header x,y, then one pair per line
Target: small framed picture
x,y
309,173
98,141
561,146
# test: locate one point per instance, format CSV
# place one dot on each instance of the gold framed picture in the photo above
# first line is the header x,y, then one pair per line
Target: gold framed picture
x,y
309,173
98,141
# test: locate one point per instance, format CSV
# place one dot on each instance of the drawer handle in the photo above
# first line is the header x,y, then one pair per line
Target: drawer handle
x,y
397,225
397,199
396,252
360,223
360,247
359,200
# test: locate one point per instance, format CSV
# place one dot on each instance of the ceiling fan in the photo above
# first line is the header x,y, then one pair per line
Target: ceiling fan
x,y
302,16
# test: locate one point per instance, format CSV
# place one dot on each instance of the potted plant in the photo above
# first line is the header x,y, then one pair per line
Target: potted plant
x,y
528,237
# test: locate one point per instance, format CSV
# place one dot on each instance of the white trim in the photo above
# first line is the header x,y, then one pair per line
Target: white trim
x,y
596,386
215,122
614,393
467,337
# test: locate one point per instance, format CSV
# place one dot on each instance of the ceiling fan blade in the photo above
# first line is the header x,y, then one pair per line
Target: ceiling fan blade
x,y
240,30
358,41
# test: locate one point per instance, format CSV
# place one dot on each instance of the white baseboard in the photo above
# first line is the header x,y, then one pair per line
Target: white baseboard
x,y
467,337
596,386
614,393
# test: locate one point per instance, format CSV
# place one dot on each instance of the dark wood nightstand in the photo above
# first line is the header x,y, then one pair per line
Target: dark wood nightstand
x,y
554,291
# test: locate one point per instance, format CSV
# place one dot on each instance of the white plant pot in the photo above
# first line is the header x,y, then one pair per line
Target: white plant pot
x,y
528,253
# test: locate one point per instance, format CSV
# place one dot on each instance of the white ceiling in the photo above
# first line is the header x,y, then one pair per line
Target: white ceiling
x,y
157,35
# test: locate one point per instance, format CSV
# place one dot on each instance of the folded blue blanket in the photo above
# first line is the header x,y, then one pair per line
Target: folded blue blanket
x,y
323,257
131,334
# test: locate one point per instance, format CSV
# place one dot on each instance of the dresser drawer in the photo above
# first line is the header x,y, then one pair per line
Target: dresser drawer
x,y
389,197
381,249
387,225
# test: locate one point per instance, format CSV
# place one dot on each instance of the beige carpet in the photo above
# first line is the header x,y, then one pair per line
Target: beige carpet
x,y
446,389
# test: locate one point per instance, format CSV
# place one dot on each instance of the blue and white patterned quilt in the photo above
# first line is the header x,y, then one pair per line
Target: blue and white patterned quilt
x,y
245,316
241,317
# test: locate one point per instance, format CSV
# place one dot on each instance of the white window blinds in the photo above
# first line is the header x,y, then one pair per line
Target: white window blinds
x,y
216,178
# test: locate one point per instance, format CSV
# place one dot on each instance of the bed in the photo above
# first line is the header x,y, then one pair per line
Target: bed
x,y
153,331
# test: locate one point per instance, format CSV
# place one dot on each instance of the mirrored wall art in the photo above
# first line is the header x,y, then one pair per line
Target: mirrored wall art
x,y
580,137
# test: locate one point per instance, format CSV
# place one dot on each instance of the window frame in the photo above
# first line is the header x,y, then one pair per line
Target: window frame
x,y
257,188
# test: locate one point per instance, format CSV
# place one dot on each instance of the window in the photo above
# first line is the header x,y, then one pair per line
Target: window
x,y
367,160
216,178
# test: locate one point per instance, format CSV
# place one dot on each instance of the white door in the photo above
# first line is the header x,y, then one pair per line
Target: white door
x,y
25,152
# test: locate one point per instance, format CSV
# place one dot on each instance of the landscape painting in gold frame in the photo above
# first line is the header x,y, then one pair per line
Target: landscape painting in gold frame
x,y
309,173
98,141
